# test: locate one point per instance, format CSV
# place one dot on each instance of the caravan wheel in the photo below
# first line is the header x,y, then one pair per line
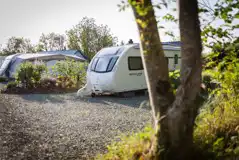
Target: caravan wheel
x,y
93,95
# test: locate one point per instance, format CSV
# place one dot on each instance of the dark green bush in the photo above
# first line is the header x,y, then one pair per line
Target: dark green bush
x,y
11,85
3,79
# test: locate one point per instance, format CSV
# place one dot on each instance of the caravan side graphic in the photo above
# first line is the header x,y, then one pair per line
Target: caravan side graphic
x,y
120,69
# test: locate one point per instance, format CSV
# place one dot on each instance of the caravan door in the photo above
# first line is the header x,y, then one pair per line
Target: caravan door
x,y
136,72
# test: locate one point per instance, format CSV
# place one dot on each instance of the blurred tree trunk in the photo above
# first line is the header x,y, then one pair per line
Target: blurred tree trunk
x,y
174,114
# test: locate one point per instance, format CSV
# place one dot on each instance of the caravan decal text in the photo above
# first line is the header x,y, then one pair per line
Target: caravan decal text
x,y
135,74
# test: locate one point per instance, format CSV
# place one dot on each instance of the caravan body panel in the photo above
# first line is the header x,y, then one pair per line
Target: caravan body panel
x,y
120,69
128,77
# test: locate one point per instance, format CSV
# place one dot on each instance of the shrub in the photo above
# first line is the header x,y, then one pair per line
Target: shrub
x,y
71,70
217,130
65,82
11,85
48,83
29,74
174,78
3,79
130,146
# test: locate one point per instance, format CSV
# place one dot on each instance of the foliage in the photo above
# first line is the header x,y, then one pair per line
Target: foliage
x,y
217,130
90,37
65,82
174,78
3,79
11,85
51,41
47,82
29,74
18,45
221,38
226,76
70,70
129,146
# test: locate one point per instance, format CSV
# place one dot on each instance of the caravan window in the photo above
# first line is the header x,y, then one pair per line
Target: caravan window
x,y
135,63
104,64
112,63
175,59
94,64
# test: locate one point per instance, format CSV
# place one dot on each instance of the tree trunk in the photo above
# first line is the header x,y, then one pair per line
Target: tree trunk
x,y
155,64
182,114
176,115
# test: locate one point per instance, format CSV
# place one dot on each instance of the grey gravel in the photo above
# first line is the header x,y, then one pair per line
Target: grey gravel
x,y
65,127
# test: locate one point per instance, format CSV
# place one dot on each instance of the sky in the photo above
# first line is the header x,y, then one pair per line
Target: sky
x,y
31,18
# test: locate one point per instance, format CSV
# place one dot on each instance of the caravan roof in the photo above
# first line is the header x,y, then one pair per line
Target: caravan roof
x,y
42,56
113,51
67,52
165,47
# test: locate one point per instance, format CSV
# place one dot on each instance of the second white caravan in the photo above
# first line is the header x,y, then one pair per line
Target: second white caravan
x,y
120,69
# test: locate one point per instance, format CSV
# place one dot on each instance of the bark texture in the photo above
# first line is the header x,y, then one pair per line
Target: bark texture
x,y
176,114
156,68
182,114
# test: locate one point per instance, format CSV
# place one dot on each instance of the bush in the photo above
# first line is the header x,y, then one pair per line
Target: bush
x,y
11,85
48,83
70,70
65,82
29,74
3,79
130,146
174,78
217,130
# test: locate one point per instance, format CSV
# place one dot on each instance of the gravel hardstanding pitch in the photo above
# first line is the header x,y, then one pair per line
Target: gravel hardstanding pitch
x,y
64,127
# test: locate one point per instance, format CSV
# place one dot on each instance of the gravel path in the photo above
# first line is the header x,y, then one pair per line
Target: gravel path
x,y
64,127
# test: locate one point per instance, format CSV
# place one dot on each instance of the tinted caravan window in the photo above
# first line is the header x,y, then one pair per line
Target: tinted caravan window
x,y
94,64
112,63
135,63
102,64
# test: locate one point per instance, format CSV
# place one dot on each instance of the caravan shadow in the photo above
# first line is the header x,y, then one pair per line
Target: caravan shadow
x,y
134,101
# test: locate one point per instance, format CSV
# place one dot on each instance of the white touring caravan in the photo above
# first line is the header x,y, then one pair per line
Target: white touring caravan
x,y
120,69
